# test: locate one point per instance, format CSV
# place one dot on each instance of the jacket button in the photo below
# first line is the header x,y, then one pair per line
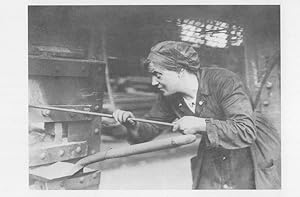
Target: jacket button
x,y
224,158
225,186
180,104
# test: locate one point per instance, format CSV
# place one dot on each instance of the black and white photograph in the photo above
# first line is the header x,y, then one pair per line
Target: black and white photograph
x,y
159,97
174,97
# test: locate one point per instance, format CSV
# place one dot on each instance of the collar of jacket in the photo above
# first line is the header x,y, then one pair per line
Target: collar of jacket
x,y
203,86
202,93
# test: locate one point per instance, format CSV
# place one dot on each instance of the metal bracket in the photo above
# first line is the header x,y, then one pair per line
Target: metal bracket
x,y
50,153
87,180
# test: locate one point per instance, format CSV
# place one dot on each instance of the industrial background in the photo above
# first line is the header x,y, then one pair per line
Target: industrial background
x,y
90,58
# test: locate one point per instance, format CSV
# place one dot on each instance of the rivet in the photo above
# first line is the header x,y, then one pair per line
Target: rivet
x,y
269,85
201,102
86,109
81,180
96,131
95,175
97,107
180,104
45,113
93,152
43,156
61,153
266,103
78,149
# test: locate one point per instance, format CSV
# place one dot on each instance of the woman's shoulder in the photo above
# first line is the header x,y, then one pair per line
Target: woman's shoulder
x,y
217,71
217,77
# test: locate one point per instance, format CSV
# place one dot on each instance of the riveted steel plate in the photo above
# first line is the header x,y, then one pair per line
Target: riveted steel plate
x,y
89,131
89,180
51,152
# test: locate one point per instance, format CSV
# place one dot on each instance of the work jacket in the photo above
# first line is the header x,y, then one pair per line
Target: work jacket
x,y
239,146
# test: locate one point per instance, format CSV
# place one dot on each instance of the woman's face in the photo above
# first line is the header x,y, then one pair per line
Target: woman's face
x,y
166,81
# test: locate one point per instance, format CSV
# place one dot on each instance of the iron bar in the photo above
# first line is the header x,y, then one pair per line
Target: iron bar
x,y
98,114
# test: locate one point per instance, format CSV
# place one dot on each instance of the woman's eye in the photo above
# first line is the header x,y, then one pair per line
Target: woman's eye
x,y
157,75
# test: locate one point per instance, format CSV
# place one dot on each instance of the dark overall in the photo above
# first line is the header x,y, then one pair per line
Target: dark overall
x,y
229,156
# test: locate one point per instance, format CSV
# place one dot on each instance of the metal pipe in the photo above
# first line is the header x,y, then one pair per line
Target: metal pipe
x,y
145,147
98,114
70,105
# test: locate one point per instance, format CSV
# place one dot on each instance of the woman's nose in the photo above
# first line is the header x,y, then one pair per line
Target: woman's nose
x,y
154,81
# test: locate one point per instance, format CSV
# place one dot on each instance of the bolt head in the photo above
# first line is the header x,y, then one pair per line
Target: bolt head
x,y
61,153
269,85
87,109
266,103
96,130
46,113
81,180
78,149
43,156
97,107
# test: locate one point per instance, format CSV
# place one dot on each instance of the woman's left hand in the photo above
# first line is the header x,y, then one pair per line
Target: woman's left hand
x,y
190,125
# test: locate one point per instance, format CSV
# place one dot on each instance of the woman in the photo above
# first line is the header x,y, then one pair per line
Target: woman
x,y
211,102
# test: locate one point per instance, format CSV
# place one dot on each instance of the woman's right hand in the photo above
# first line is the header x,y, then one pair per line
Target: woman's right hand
x,y
125,118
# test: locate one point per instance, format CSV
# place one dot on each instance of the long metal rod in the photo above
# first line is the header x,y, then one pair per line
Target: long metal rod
x,y
70,105
98,114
